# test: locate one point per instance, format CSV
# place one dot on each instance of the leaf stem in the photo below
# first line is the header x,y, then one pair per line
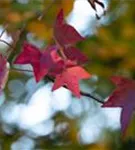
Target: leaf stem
x,y
62,53
91,96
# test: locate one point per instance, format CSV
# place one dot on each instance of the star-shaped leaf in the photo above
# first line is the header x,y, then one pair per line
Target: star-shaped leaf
x,y
41,61
70,78
64,33
124,97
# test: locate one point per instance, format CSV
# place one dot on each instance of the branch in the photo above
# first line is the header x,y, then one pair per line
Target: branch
x,y
22,70
91,96
6,43
15,39
51,79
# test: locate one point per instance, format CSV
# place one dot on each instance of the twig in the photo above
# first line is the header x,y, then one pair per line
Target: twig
x,y
46,10
91,96
83,93
17,69
6,43
51,79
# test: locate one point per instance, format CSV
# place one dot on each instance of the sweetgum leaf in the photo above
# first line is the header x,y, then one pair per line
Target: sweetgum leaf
x,y
124,97
48,61
64,33
70,78
60,18
42,62
30,54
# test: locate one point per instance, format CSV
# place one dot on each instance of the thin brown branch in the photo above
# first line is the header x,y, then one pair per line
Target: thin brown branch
x,y
83,93
6,43
91,96
16,37
51,79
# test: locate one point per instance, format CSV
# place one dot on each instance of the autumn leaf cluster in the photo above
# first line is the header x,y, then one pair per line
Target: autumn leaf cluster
x,y
64,63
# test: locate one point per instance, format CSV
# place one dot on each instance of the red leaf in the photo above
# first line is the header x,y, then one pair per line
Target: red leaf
x,y
4,70
64,33
29,55
48,61
119,81
124,97
60,18
74,54
70,78
42,62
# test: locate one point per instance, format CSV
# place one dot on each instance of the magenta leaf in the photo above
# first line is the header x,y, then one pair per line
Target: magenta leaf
x,y
124,97
70,78
75,54
64,33
41,61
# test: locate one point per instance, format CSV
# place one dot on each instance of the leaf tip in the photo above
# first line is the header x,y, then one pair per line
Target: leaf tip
x,y
60,17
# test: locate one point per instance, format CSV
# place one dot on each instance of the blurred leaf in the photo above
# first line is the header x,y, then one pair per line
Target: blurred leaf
x,y
14,17
40,29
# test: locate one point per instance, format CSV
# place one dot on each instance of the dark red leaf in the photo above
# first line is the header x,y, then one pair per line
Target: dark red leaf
x,y
30,54
124,97
48,61
60,18
74,54
65,34
42,62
